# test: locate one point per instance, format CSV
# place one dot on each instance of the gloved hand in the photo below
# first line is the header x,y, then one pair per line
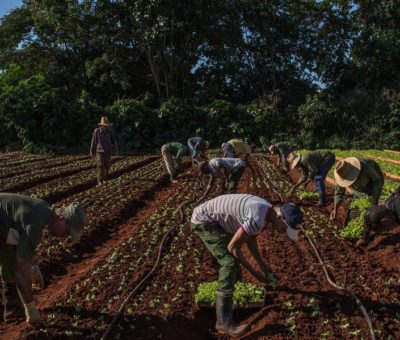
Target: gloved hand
x,y
37,277
31,313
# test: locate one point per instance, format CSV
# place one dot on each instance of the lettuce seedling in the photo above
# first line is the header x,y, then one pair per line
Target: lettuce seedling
x,y
355,226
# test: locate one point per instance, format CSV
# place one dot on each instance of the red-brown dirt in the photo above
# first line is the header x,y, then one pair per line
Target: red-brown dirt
x,y
81,302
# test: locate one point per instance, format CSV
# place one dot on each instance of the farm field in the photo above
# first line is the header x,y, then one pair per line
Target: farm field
x,y
128,218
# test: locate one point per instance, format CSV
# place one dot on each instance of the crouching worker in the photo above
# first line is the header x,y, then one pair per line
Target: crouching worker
x,y
168,151
380,218
235,148
314,166
197,147
282,150
225,224
230,170
22,220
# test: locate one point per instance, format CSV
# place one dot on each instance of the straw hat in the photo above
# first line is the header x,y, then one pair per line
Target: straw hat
x,y
293,159
104,121
347,171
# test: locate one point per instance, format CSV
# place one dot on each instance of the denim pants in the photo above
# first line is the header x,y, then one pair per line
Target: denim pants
x,y
320,176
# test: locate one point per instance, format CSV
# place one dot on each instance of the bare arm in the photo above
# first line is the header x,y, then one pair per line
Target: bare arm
x,y
252,245
208,188
234,247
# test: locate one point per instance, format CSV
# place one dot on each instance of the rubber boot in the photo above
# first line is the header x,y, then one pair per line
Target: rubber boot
x,y
11,302
225,324
322,199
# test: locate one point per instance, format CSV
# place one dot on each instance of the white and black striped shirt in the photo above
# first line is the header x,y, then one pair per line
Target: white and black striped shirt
x,y
234,211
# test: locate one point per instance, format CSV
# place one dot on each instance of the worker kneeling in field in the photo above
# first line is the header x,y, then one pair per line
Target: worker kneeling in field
x,y
361,175
225,224
314,165
282,150
230,170
382,217
22,220
235,148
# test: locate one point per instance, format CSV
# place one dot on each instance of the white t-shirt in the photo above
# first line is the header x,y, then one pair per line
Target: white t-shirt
x,y
234,211
230,164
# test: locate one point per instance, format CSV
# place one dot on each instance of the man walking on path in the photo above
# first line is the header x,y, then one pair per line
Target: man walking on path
x,y
282,150
22,221
314,165
361,175
235,148
103,146
197,147
225,224
230,170
382,217
173,149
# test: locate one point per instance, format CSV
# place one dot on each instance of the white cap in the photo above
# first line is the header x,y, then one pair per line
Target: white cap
x,y
292,233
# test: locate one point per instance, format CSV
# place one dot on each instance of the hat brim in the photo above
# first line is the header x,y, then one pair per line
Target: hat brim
x,y
352,176
292,233
295,162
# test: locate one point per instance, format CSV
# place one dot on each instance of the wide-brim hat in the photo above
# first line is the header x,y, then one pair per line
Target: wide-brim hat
x,y
104,121
293,159
347,171
76,218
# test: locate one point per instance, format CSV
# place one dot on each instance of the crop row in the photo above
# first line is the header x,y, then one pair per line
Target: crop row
x,y
40,164
60,188
110,205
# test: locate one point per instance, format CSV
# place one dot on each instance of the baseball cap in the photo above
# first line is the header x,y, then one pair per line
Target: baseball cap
x,y
76,218
293,217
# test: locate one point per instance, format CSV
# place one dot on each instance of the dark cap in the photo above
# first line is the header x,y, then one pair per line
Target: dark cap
x,y
292,215
379,217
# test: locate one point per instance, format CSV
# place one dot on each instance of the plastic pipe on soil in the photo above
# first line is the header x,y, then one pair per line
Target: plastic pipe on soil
x,y
133,292
358,301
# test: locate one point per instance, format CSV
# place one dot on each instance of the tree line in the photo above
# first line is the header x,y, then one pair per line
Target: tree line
x,y
318,73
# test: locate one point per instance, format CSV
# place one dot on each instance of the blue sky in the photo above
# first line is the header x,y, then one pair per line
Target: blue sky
x,y
7,5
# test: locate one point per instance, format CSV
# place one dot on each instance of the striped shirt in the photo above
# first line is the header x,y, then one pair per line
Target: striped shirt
x,y
234,211
230,165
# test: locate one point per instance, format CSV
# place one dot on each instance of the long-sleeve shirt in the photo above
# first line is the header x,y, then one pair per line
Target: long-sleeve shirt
x,y
239,146
103,141
310,163
28,216
196,144
177,149
369,181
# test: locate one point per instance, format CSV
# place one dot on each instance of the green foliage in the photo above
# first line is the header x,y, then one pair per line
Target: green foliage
x,y
243,294
355,226
305,195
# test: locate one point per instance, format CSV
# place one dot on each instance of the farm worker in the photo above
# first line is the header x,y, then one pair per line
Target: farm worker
x,y
22,220
225,224
235,148
197,147
178,150
314,165
102,147
282,150
229,169
381,217
361,175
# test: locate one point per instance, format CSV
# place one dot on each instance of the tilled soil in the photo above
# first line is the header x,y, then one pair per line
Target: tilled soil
x,y
82,301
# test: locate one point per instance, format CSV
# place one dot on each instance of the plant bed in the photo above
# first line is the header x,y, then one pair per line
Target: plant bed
x,y
308,196
246,295
355,224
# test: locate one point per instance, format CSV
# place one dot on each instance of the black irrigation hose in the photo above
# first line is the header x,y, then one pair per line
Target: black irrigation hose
x,y
330,281
133,292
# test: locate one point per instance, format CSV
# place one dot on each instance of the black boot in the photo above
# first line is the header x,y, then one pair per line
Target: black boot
x,y
225,324
11,302
322,199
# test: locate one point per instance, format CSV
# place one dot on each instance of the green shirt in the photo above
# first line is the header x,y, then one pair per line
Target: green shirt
x,y
311,161
29,216
179,150
283,148
369,181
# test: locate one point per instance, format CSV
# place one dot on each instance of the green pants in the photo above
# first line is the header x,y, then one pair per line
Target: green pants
x,y
216,240
103,166
234,179
7,262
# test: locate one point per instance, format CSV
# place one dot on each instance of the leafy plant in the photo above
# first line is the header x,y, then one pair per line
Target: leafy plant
x,y
355,226
243,294
305,195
